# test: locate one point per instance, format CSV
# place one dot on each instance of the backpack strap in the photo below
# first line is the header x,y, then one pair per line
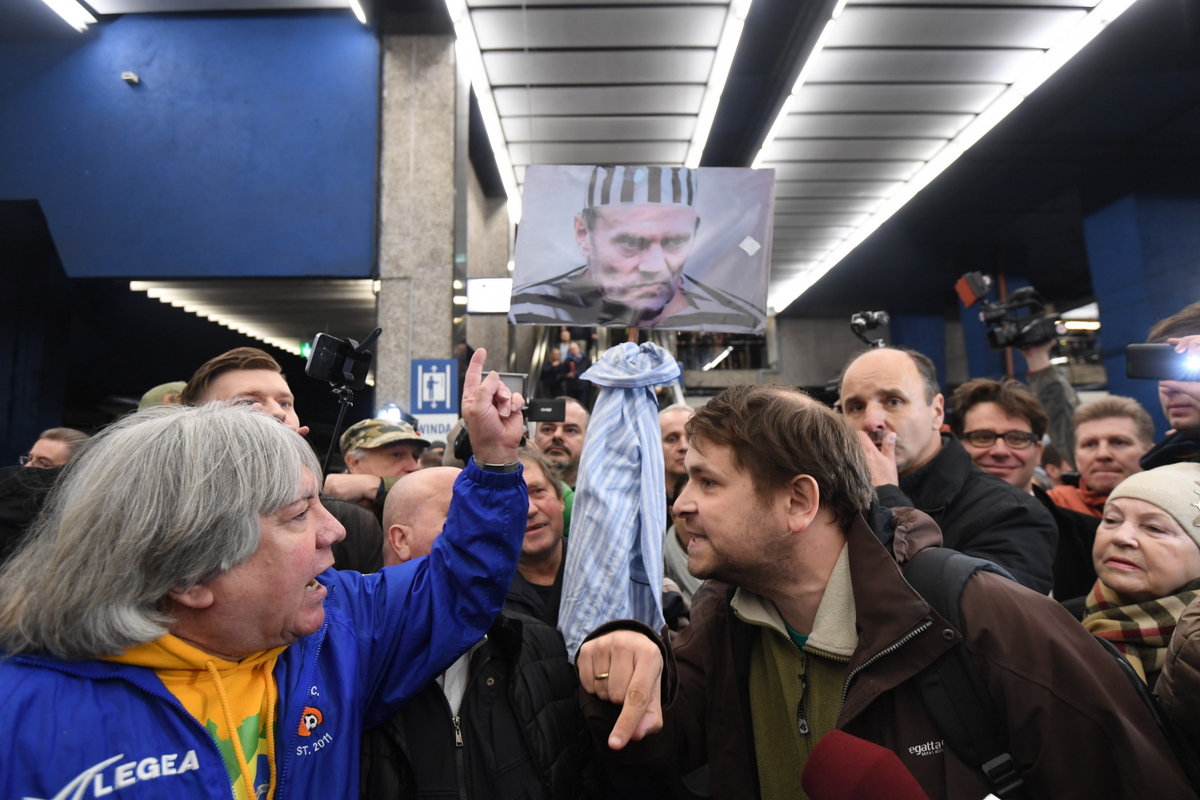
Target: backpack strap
x,y
951,689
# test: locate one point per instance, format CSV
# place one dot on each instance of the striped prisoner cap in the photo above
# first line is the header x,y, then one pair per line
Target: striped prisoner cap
x,y
637,185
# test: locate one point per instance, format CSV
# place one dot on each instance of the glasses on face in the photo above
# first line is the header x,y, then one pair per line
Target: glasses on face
x,y
36,461
1017,440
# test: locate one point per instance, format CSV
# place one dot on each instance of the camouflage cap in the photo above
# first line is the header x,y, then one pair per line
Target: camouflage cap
x,y
378,432
165,394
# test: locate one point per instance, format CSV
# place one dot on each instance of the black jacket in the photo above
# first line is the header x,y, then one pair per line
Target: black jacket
x,y
522,733
1074,572
362,549
1172,450
981,515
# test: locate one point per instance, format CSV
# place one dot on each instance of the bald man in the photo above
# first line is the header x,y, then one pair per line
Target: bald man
x,y
509,700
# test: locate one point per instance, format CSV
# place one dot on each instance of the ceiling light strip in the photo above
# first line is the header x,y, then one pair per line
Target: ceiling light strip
x,y
784,293
181,298
357,8
471,59
75,14
727,44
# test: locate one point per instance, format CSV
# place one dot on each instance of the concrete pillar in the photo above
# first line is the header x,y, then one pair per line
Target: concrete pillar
x,y
487,257
416,208
1144,257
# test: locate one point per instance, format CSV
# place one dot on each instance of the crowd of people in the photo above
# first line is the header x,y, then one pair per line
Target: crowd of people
x,y
190,608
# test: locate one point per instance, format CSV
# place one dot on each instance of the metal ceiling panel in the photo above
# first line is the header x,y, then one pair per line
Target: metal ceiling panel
x,y
574,3
866,26
171,6
596,129
867,65
814,189
844,170
877,126
968,98
509,68
786,202
597,152
785,221
853,149
1007,3
633,27
599,100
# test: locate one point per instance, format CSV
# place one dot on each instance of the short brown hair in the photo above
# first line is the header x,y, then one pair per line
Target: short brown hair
x,y
1116,406
1184,323
1012,396
238,358
548,467
776,433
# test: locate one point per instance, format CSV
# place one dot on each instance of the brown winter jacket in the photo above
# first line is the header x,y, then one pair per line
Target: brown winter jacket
x,y
1178,686
1076,728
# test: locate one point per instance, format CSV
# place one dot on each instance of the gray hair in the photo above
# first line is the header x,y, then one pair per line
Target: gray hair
x,y
164,499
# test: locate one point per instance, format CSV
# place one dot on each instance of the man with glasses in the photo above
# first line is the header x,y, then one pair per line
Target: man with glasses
x,y
891,396
54,448
1001,424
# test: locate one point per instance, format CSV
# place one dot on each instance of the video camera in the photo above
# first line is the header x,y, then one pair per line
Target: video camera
x,y
864,321
1006,325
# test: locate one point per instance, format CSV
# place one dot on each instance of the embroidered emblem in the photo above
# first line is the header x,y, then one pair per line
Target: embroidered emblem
x,y
309,720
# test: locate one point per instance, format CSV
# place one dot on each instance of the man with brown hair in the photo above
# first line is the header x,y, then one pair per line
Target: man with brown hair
x,y
891,396
1111,435
252,375
806,625
1001,424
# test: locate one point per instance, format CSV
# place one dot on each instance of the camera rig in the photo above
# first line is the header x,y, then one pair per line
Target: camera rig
x,y
1021,321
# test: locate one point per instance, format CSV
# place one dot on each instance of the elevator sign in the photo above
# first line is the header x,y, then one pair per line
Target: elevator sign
x,y
434,387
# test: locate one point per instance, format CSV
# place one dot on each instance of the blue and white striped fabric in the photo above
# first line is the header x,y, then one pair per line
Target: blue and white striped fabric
x,y
615,563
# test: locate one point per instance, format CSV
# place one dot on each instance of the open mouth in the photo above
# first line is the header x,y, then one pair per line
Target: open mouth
x,y
311,586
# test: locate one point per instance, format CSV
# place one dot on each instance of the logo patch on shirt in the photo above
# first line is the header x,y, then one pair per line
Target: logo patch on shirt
x,y
931,748
102,781
309,720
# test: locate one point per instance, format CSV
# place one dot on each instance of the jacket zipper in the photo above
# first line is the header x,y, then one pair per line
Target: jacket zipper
x,y
312,676
459,761
893,647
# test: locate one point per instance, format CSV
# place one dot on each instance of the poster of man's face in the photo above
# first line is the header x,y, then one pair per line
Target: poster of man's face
x,y
654,247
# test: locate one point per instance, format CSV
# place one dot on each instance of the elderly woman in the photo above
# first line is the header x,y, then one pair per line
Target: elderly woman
x,y
1147,559
172,627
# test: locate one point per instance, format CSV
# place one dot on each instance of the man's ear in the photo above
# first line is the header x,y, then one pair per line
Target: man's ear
x,y
939,411
398,538
803,502
197,598
582,238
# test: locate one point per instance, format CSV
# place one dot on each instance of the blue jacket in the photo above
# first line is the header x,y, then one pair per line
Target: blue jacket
x,y
88,729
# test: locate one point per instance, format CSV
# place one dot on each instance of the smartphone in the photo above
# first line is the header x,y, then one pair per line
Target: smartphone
x,y
1160,362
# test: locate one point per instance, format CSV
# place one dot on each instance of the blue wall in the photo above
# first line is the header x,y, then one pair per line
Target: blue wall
x,y
1144,256
248,149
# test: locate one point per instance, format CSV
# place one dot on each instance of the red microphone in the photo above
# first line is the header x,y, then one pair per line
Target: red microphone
x,y
844,767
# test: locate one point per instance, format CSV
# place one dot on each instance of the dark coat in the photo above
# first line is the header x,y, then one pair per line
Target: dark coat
x,y
522,732
1074,572
1172,450
362,549
1059,692
981,515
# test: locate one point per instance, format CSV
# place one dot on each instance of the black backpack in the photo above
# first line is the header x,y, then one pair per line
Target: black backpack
x,y
957,700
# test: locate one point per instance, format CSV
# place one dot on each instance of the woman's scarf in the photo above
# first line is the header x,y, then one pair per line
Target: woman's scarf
x,y
1141,631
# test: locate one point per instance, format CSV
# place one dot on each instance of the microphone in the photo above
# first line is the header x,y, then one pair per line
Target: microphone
x,y
845,767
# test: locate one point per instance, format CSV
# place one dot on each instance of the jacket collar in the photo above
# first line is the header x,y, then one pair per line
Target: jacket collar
x,y
935,484
834,625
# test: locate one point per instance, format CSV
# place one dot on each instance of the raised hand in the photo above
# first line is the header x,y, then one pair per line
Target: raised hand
x,y
492,414
881,458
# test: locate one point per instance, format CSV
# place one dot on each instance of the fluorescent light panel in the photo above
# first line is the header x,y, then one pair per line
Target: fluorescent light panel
x,y
356,7
76,15
183,300
731,34
469,55
784,293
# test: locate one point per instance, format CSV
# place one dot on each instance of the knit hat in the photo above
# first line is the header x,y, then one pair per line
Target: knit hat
x,y
165,394
378,432
1174,488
